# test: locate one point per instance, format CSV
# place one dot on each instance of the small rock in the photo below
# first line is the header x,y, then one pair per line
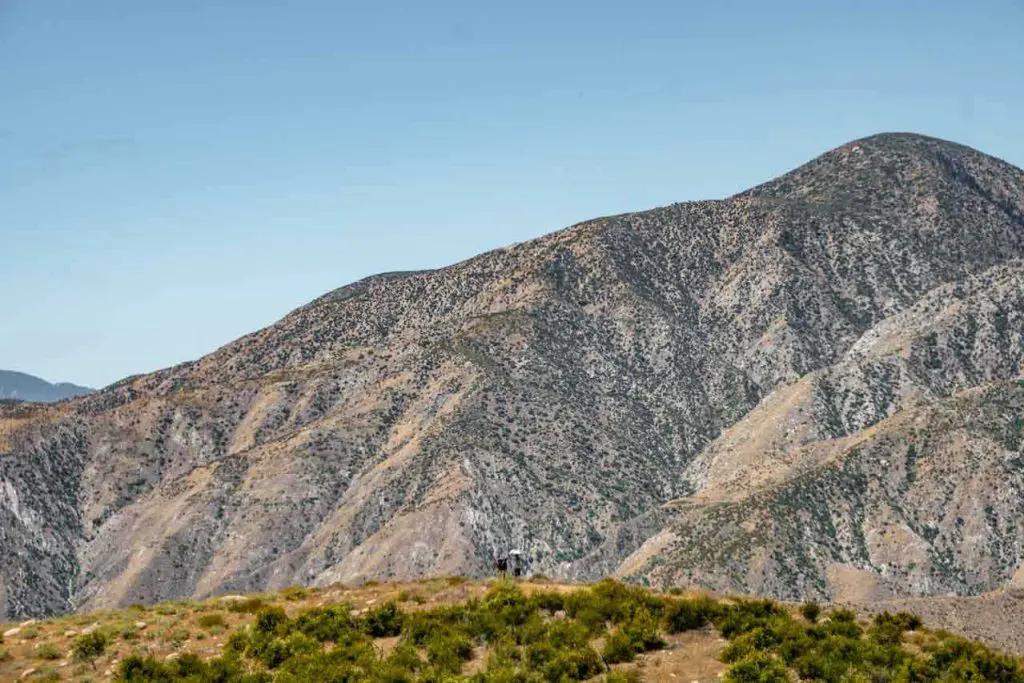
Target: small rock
x,y
90,628
108,672
140,625
171,657
70,634
26,673
232,598
30,622
10,633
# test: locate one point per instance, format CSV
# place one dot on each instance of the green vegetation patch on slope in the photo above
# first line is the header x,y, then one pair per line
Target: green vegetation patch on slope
x,y
509,635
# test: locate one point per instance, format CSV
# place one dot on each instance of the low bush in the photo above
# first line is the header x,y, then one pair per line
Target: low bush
x,y
326,624
384,621
48,651
810,611
687,615
618,648
89,647
757,667
211,620
293,593
247,606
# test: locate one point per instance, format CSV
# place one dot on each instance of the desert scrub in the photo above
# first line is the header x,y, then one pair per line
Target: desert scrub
x,y
810,611
48,651
294,593
548,636
247,606
89,647
209,621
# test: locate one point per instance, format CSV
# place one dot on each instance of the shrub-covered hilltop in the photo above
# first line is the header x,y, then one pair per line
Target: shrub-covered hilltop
x,y
502,631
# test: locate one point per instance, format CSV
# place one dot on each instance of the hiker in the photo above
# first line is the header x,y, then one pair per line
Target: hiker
x,y
501,565
516,559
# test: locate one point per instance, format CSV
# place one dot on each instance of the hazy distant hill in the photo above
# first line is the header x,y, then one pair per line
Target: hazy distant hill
x,y
22,387
807,389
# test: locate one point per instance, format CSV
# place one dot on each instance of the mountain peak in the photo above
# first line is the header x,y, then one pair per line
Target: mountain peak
x,y
894,164
552,396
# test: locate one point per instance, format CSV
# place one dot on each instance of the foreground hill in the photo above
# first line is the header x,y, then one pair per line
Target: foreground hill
x,y
818,373
451,629
21,387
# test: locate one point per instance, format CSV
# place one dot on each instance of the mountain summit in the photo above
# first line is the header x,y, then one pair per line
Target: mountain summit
x,y
781,392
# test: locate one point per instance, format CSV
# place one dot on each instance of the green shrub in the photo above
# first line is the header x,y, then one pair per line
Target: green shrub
x,y
212,619
384,621
756,667
687,615
239,642
448,650
846,629
5,655
737,649
642,631
618,648
549,601
842,615
271,620
326,624
630,675
48,651
810,611
576,664
904,621
293,593
247,606
958,659
89,647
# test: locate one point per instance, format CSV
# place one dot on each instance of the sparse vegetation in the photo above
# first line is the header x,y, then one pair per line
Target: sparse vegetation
x,y
211,620
89,647
507,631
48,651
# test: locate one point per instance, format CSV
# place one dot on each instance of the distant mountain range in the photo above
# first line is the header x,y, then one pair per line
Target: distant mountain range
x,y
811,389
19,386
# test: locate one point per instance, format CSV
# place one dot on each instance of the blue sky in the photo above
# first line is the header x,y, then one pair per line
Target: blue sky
x,y
177,173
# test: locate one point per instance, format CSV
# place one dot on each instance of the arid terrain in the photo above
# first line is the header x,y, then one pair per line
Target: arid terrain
x,y
169,633
809,390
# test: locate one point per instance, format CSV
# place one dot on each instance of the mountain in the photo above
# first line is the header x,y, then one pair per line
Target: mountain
x,y
810,388
18,386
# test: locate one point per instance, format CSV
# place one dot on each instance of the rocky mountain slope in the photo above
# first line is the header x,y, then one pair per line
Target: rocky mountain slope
x,y
816,375
18,386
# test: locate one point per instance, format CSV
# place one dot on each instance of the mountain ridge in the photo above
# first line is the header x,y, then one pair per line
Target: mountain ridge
x,y
22,386
550,395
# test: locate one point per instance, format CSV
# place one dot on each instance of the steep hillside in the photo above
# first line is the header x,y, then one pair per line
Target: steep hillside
x,y
21,387
553,396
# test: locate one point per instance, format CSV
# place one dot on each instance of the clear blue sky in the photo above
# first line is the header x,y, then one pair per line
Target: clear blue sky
x,y
176,173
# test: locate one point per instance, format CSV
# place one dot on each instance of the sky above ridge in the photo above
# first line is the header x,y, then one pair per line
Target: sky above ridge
x,y
174,174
